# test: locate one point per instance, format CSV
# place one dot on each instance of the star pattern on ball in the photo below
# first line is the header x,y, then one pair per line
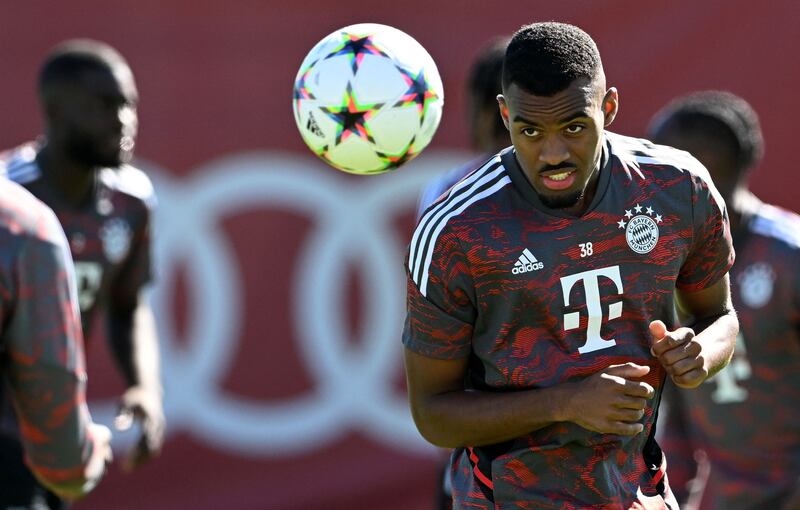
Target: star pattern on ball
x,y
419,92
394,161
351,117
302,92
355,47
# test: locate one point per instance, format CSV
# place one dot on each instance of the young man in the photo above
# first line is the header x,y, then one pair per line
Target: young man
x,y
42,362
488,135
80,170
745,421
541,291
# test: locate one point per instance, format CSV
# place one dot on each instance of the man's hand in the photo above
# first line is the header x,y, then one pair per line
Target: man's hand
x,y
611,402
144,405
679,353
101,456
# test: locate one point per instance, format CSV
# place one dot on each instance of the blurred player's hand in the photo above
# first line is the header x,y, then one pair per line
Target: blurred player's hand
x,y
101,455
611,402
679,353
143,405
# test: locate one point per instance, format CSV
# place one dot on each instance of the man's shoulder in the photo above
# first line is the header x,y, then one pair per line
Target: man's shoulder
x,y
777,223
22,215
476,185
640,153
129,182
19,164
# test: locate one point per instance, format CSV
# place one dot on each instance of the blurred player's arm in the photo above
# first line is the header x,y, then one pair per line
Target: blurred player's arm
x,y
45,371
134,345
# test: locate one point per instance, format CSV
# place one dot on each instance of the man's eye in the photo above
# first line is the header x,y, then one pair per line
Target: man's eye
x,y
574,129
530,131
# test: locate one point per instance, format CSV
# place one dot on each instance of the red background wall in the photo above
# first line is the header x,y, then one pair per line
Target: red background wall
x,y
215,81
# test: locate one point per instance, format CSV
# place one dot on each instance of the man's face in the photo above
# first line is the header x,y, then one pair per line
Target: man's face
x,y
558,139
96,122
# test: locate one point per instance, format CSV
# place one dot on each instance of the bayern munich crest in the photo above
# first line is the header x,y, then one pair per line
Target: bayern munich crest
x,y
641,228
116,237
756,284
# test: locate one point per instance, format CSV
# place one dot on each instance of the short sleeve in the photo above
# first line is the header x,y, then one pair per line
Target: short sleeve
x,y
440,300
136,271
711,254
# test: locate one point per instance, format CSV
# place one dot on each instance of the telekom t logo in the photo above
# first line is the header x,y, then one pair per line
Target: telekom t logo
x,y
590,279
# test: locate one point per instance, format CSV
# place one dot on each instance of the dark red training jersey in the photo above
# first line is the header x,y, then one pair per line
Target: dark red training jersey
x,y
109,238
536,298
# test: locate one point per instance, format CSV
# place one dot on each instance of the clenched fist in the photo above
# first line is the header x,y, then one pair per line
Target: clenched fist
x,y
679,353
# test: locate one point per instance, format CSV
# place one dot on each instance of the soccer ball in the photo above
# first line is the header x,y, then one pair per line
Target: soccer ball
x,y
367,98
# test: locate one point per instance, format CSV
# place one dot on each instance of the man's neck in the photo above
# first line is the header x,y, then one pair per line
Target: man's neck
x,y
70,181
742,205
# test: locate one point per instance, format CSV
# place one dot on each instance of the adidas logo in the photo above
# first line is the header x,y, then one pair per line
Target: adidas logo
x,y
312,126
526,263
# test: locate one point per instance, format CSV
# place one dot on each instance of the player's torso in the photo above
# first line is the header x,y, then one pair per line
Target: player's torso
x,y
100,232
559,298
99,238
747,415
556,291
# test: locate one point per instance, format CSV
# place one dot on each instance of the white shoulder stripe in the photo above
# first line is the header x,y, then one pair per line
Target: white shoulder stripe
x,y
431,214
23,174
422,282
434,215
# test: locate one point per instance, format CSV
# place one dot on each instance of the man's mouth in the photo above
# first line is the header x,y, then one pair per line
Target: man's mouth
x,y
559,179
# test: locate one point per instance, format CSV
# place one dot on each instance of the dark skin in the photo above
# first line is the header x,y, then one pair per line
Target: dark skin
x,y
565,131
91,124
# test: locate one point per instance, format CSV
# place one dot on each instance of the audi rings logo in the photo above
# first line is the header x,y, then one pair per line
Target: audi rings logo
x,y
352,224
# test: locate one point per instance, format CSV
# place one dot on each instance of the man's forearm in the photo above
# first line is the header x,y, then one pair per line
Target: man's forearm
x,y
135,347
477,418
717,336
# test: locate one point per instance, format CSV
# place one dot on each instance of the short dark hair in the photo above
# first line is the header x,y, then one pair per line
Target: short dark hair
x,y
544,58
485,75
71,59
720,114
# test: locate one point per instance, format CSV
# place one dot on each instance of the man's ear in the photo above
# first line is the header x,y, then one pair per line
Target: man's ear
x,y
610,106
501,103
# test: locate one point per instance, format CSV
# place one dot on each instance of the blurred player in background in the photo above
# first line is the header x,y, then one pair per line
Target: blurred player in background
x,y
538,287
488,134
42,363
745,422
79,168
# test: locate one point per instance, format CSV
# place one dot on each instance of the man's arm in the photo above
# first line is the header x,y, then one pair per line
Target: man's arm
x,y
45,370
693,353
450,416
134,344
